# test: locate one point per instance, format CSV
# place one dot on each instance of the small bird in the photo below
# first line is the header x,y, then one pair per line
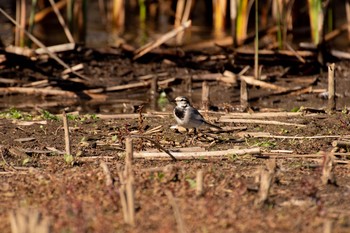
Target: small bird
x,y
187,116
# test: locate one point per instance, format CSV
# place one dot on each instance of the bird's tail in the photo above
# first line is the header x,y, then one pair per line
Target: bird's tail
x,y
211,125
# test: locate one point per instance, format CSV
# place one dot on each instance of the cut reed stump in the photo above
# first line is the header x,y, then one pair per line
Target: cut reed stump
x,y
29,221
66,133
126,177
331,88
328,163
244,95
266,180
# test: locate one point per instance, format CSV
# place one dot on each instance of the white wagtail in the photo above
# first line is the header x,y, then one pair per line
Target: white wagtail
x,y
187,116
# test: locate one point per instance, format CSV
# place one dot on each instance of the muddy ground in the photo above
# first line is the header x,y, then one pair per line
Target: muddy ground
x,y
77,199
74,196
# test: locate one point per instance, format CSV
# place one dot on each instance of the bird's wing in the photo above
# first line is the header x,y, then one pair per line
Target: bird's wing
x,y
197,115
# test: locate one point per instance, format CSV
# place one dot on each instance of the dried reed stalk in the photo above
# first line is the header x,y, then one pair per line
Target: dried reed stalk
x,y
153,92
180,223
43,13
66,133
264,115
347,8
331,88
196,154
199,183
341,143
328,163
29,221
254,121
126,188
266,179
61,21
262,84
105,169
205,96
244,95
148,47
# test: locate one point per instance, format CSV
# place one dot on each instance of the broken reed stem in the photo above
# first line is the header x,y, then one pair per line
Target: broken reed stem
x,y
129,153
123,199
205,95
107,173
199,183
177,214
66,133
29,221
328,176
256,43
331,88
244,95
347,9
266,178
188,86
129,181
153,92
341,144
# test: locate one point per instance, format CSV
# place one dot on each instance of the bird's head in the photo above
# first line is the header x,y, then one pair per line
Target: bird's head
x,y
182,101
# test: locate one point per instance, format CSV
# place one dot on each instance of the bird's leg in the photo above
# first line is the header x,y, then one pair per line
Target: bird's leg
x,y
185,138
195,136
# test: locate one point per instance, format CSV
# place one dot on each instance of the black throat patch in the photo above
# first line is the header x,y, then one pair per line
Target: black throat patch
x,y
180,113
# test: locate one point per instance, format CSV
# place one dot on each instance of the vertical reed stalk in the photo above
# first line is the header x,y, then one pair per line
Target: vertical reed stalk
x,y
119,15
66,133
205,95
242,19
31,20
278,13
23,21
233,17
219,8
61,21
256,54
347,7
331,88
316,20
70,19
